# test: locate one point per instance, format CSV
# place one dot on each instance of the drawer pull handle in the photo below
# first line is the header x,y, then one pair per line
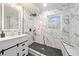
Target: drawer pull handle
x,y
17,45
23,44
23,50
23,55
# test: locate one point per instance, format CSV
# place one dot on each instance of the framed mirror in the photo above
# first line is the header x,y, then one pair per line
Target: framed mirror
x,y
11,18
0,16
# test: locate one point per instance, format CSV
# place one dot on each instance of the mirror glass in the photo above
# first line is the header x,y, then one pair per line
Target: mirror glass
x,y
11,18
0,17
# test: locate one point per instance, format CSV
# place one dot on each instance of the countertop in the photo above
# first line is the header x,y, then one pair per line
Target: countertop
x,y
12,37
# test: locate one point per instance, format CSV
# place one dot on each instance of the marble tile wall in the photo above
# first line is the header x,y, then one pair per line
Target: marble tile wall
x,y
71,29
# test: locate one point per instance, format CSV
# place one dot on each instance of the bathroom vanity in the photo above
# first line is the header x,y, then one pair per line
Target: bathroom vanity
x,y
15,46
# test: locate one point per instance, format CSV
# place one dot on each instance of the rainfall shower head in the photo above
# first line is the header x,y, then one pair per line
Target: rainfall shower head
x,y
34,14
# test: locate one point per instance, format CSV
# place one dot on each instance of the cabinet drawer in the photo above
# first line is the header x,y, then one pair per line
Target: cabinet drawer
x,y
10,52
23,51
8,43
22,46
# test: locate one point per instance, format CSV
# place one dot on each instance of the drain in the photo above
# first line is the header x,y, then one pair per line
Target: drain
x,y
43,48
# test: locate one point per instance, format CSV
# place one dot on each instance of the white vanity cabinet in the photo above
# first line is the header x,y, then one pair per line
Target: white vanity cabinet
x,y
14,46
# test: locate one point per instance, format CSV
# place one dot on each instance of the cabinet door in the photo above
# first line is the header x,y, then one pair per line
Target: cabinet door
x,y
24,51
26,48
8,43
10,52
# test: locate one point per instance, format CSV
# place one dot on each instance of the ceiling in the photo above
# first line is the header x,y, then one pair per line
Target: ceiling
x,y
39,8
29,7
53,6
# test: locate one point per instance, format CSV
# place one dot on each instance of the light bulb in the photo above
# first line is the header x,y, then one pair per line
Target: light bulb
x,y
45,4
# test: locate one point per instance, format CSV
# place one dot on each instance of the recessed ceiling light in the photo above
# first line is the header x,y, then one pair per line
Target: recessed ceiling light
x,y
45,4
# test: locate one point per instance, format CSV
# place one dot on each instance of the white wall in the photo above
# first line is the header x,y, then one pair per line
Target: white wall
x,y
74,26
